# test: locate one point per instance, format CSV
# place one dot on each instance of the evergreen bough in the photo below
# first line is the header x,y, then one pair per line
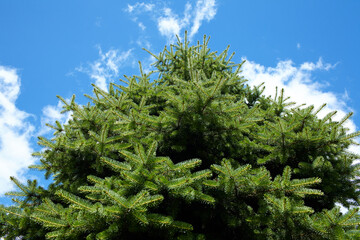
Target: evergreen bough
x,y
193,153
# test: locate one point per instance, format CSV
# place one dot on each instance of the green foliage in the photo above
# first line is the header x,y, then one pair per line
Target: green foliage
x,y
193,153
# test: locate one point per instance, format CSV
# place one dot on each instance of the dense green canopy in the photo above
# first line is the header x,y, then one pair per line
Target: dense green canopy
x,y
190,152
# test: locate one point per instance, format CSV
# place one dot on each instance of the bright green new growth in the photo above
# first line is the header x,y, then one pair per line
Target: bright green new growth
x,y
194,154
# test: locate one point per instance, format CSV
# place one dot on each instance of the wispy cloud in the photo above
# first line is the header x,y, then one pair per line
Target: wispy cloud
x,y
142,26
140,7
147,64
204,10
15,131
319,65
106,67
51,114
299,83
170,23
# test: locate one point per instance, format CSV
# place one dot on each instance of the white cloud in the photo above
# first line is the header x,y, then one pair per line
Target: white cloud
x,y
205,10
52,113
309,66
106,67
142,26
171,24
299,84
15,131
140,7
298,46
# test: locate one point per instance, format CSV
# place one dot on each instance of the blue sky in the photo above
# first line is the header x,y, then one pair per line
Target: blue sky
x,y
49,48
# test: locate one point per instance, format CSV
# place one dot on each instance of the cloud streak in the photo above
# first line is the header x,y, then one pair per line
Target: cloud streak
x,y
15,131
139,7
205,10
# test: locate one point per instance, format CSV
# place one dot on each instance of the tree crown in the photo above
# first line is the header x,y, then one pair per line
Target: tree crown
x,y
194,154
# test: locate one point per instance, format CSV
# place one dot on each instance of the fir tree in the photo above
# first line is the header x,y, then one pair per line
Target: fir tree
x,y
190,151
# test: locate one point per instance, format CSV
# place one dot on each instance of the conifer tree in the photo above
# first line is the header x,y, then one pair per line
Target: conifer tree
x,y
190,151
